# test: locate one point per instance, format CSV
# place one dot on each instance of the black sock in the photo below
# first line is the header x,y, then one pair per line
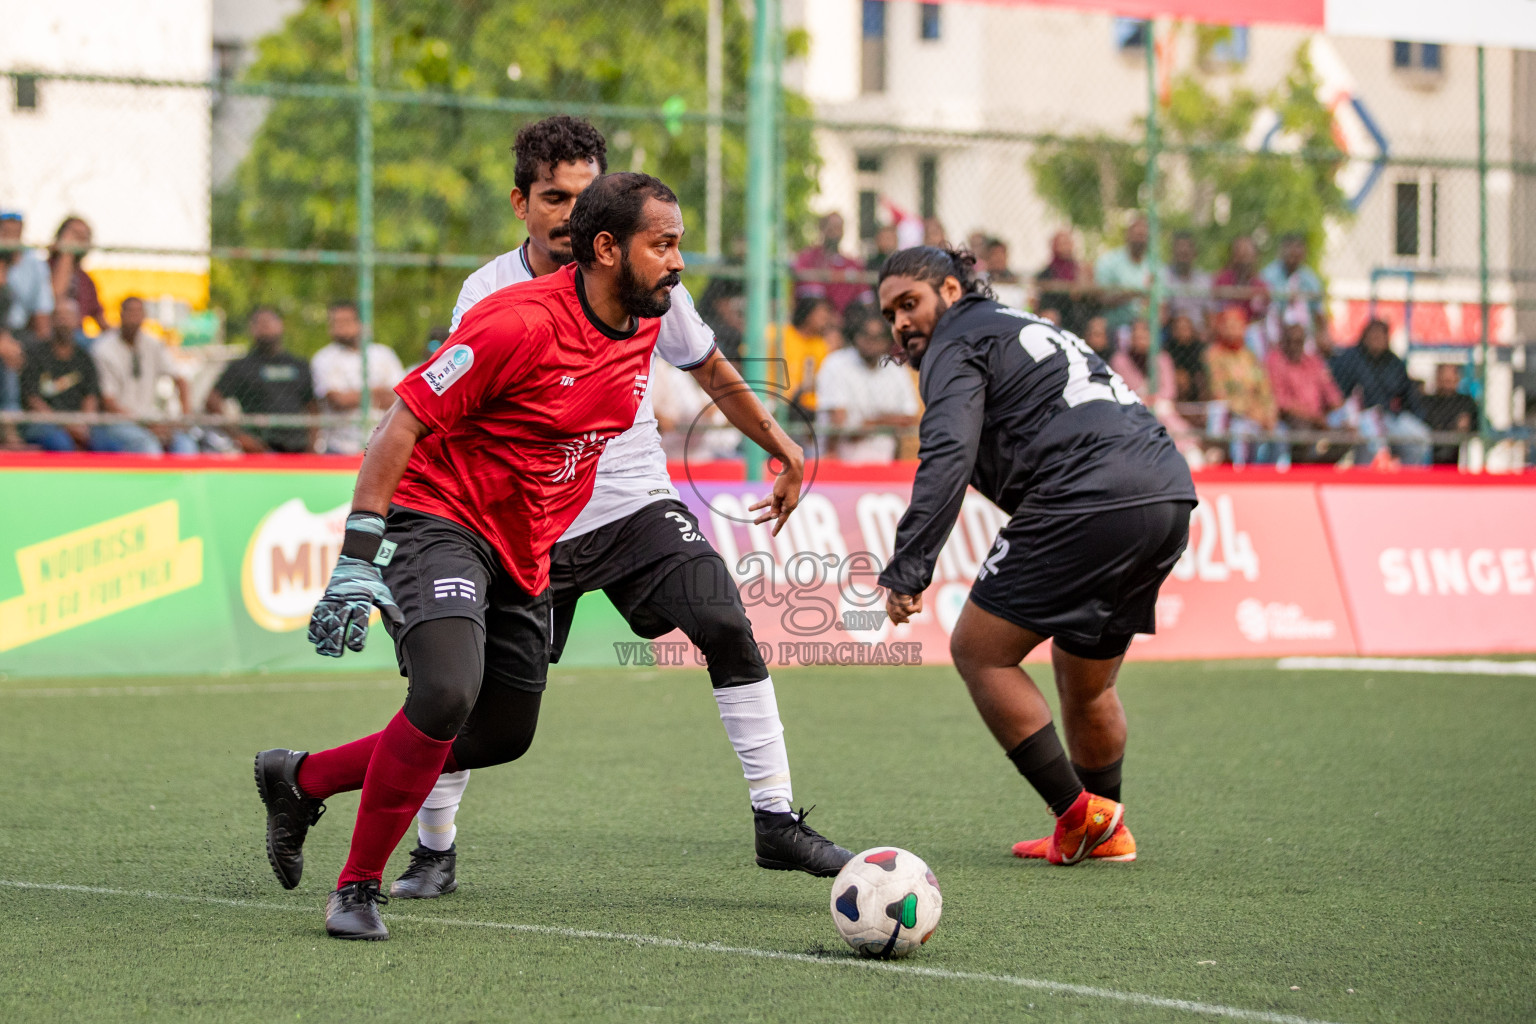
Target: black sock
x,y
1041,760
1103,782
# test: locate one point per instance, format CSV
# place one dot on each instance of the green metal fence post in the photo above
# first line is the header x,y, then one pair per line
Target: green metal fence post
x,y
1155,299
365,246
1484,427
760,189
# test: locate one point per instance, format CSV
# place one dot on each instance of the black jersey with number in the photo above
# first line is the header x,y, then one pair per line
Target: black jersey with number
x,y
1033,419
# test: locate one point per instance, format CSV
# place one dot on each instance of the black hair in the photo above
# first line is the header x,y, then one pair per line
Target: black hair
x,y
1371,325
339,304
805,305
614,203
933,264
256,311
857,317
554,141
73,218
1182,234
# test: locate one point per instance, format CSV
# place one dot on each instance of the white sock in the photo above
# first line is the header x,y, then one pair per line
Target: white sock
x,y
751,717
434,822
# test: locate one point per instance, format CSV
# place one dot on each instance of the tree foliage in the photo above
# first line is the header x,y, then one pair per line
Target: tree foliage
x,y
442,173
1214,185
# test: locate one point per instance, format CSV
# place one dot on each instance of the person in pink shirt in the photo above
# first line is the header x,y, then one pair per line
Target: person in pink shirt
x,y
828,257
1238,284
1306,395
1131,362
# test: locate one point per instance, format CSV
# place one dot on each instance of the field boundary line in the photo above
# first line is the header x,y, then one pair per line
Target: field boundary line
x,y
1059,988
1472,667
296,686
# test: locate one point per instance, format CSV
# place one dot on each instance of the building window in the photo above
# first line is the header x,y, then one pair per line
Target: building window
x,y
869,213
1416,219
1407,219
1131,34
872,77
1225,46
1425,58
227,57
868,163
928,185
929,26
25,91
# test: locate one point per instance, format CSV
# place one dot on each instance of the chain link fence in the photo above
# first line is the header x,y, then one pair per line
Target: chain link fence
x,y
360,152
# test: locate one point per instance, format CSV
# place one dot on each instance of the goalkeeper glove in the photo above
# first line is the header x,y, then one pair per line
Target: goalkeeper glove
x,y
356,587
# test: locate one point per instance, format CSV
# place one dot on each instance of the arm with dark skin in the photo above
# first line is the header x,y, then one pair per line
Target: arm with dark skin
x,y
742,407
384,461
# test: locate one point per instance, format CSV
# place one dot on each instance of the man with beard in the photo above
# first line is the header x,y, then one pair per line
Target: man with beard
x,y
487,455
268,380
635,540
1100,502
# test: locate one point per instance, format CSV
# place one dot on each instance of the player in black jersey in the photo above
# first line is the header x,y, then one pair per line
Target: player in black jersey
x,y
1028,415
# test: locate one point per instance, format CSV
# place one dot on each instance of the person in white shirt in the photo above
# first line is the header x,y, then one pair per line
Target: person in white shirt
x,y
337,370
130,364
635,540
858,386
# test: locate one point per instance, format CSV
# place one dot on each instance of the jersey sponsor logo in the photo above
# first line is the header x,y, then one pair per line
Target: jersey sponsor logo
x,y
448,367
453,586
567,381
640,380
574,452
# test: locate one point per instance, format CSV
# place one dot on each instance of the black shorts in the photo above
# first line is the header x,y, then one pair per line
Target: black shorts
x,y
442,570
627,559
1087,581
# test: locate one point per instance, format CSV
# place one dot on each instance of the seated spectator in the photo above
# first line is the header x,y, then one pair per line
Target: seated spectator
x,y
1003,281
1187,287
1305,393
1124,277
434,341
1060,286
886,246
723,307
60,376
1238,285
1373,376
12,357
858,386
1133,363
1294,288
934,233
1098,338
691,424
337,372
827,257
1239,390
1182,342
802,346
27,280
267,380
130,364
70,244
1448,409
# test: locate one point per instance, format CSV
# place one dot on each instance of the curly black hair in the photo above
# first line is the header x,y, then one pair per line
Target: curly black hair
x,y
934,263
546,144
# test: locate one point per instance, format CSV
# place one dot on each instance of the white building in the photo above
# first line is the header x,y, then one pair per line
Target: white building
x,y
132,161
994,70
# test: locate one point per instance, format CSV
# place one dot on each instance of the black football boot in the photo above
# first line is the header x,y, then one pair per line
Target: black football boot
x,y
289,812
786,843
352,912
429,876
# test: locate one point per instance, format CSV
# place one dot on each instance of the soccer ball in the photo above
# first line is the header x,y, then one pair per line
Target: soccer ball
x,y
885,902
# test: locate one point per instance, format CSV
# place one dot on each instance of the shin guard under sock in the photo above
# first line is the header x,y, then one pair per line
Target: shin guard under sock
x,y
341,769
405,765
1041,759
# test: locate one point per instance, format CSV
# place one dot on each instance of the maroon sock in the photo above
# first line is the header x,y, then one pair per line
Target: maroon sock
x,y
341,769
404,767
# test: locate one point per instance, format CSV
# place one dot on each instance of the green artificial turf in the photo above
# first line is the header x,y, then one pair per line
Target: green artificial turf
x,y
1329,831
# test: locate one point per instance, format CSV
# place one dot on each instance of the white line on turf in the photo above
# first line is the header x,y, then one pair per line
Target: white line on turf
x,y
1473,667
1054,987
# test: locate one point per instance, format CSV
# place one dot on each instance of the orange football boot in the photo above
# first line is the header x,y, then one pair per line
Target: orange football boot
x,y
1120,847
1080,830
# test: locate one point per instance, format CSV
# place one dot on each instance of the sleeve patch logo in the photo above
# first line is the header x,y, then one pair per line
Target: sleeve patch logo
x,y
454,362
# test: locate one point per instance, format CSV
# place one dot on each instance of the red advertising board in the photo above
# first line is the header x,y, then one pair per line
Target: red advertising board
x,y
1436,570
1256,581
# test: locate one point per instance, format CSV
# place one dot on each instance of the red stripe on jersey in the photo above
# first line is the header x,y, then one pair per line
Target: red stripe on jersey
x,y
513,450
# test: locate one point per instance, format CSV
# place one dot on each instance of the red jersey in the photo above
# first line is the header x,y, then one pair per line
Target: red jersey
x,y
521,401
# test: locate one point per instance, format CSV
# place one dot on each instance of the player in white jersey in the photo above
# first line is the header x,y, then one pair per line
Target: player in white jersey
x,y
635,540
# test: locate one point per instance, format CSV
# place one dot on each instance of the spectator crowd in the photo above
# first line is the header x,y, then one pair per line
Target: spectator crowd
x,y
1245,366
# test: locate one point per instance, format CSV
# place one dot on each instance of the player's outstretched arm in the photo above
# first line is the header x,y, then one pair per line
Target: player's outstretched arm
x,y
356,587
742,407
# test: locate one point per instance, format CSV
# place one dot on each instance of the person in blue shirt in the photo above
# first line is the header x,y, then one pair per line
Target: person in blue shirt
x,y
1294,288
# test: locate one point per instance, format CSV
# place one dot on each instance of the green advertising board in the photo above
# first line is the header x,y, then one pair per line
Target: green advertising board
x,y
151,572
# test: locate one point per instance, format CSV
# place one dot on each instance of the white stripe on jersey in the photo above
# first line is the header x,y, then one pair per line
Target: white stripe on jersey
x,y
632,472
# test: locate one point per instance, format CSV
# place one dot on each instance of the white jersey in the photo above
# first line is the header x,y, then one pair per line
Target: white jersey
x,y
632,471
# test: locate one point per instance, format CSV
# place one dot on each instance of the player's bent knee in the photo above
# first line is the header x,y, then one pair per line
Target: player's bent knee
x,y
444,660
